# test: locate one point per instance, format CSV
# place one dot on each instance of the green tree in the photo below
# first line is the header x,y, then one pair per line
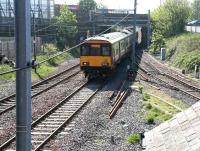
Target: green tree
x,y
158,41
195,10
67,27
170,18
87,5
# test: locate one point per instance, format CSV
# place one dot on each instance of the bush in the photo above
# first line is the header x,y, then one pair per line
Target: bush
x,y
150,120
140,89
148,106
146,97
134,138
5,68
50,49
183,51
158,42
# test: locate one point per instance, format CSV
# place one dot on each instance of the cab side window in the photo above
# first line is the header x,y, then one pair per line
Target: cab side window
x,y
85,50
106,51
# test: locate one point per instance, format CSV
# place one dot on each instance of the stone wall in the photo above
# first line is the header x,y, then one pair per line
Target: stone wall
x,y
7,47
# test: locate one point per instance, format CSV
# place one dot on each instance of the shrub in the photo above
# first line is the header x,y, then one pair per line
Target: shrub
x,y
158,42
50,49
134,138
183,51
146,97
150,120
5,68
140,89
148,106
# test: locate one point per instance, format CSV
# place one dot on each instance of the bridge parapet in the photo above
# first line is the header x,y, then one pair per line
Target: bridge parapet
x,y
112,16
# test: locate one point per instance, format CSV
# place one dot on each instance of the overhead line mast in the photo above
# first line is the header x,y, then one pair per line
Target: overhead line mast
x,y
133,65
23,77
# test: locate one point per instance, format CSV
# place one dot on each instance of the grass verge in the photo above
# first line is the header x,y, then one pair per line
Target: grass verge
x,y
157,105
134,138
4,68
45,69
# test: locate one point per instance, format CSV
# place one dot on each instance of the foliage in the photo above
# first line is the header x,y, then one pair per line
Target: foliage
x,y
134,138
67,29
184,51
140,89
195,14
4,68
148,106
50,49
43,71
169,19
87,5
158,41
146,97
150,120
155,114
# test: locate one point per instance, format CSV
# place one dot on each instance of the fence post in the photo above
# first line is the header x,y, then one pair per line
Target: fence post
x,y
163,54
1,47
197,71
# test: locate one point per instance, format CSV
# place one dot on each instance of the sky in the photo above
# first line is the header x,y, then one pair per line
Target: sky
x,y
142,7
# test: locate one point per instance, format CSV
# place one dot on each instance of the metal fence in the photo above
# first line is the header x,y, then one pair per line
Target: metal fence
x,y
195,29
7,47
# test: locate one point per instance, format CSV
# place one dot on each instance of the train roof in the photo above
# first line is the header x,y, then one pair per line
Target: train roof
x,y
111,37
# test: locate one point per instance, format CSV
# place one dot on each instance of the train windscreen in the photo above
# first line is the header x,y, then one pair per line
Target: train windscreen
x,y
95,50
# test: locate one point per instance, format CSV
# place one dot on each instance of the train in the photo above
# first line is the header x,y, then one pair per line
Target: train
x,y
100,55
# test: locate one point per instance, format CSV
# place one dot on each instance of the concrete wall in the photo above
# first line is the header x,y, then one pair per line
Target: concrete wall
x,y
7,46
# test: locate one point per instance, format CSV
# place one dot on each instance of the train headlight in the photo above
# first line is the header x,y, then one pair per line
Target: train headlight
x,y
85,63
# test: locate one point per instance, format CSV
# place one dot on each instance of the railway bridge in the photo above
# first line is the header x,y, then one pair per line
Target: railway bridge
x,y
100,19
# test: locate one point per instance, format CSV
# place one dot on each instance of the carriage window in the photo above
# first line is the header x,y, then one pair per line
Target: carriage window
x,y
85,51
95,50
105,50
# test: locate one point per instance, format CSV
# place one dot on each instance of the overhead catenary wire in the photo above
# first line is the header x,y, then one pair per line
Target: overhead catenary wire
x,y
60,53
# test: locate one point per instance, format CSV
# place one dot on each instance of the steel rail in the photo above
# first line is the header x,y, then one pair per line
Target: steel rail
x,y
42,91
172,86
173,78
66,121
41,82
118,103
51,111
7,143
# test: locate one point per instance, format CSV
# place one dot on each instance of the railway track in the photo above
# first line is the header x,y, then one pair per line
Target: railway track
x,y
48,125
171,73
8,103
149,70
